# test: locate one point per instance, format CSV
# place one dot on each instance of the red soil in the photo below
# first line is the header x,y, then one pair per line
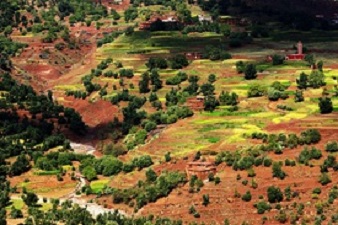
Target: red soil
x,y
93,114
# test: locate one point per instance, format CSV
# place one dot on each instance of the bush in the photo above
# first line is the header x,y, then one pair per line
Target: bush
x,y
250,72
331,146
325,105
277,171
247,196
274,194
262,207
316,191
324,179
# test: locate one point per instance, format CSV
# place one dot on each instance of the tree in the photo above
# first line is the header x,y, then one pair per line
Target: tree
x,y
277,171
247,197
207,89
287,193
227,98
212,78
302,82
310,59
179,61
155,80
320,65
324,179
16,213
331,146
144,83
277,60
250,72
30,199
210,103
256,91
299,96
20,166
325,105
89,172
316,79
153,97
151,175
206,200
274,194
240,67
130,14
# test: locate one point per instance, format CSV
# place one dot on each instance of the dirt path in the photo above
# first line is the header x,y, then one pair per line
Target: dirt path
x,y
93,208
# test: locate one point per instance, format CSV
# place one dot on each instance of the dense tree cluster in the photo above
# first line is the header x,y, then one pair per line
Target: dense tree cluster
x,y
154,188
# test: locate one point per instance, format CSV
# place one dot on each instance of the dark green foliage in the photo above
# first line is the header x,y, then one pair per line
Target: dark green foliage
x,y
20,166
262,207
150,126
227,98
247,197
299,96
211,78
159,63
206,200
89,172
144,83
175,80
274,194
30,199
178,62
193,86
151,176
277,171
240,66
316,79
210,103
306,155
310,136
126,73
16,213
288,193
324,179
171,98
153,97
167,157
250,72
256,91
145,193
277,60
331,146
207,89
130,14
276,91
155,80
302,81
325,105
216,53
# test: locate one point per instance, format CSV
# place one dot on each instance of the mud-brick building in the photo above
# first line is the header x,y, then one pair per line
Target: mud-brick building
x,y
200,169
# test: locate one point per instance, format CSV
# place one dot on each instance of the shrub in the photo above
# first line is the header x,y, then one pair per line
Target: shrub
x,y
206,200
247,196
277,171
217,180
274,194
262,207
316,191
250,72
331,146
324,179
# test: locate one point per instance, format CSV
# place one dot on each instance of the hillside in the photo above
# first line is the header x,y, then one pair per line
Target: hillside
x,y
168,112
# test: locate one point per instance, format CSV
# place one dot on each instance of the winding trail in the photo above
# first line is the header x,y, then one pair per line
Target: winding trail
x,y
93,208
